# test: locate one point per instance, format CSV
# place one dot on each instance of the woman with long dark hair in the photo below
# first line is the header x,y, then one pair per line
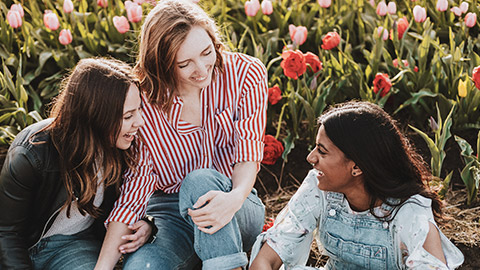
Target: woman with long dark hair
x,y
62,175
366,201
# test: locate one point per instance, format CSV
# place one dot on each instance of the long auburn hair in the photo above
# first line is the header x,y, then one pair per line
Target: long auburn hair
x,y
87,118
369,136
162,34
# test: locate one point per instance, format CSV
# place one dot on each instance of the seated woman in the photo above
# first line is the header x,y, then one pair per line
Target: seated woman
x,y
62,175
366,201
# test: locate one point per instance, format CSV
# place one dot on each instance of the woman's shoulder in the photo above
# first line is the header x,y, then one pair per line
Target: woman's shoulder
x,y
243,61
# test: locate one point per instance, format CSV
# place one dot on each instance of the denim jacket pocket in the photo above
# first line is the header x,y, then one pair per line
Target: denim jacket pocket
x,y
224,124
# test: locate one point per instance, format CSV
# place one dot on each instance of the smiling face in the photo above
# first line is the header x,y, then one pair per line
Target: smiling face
x,y
334,169
195,60
132,118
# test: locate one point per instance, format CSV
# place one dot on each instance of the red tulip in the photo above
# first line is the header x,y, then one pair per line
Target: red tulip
x,y
67,6
50,20
14,19
272,151
267,7
65,37
293,64
476,76
252,7
274,94
382,83
402,25
298,34
330,41
121,24
313,61
102,3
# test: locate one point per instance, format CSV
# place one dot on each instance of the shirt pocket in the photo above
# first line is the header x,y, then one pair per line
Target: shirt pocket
x,y
224,127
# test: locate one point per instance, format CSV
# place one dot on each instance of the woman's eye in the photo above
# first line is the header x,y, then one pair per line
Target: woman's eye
x,y
128,117
320,151
207,53
182,66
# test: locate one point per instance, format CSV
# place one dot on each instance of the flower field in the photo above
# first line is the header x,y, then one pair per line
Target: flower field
x,y
420,60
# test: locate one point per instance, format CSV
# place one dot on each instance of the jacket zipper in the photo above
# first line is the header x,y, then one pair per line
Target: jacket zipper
x,y
45,227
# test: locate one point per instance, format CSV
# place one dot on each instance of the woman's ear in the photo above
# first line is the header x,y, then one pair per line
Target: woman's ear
x,y
356,171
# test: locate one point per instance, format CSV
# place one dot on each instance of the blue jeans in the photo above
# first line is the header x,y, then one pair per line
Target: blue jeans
x,y
180,245
79,251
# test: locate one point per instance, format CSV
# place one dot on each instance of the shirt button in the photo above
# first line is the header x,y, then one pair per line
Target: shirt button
x,y
332,212
385,225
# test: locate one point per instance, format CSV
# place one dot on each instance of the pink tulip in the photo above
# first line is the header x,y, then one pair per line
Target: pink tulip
x,y
392,8
140,1
382,9
252,7
456,11
65,37
121,23
419,14
102,3
325,3
298,34
14,19
442,5
470,19
267,7
134,12
50,20
18,8
67,6
464,7
383,33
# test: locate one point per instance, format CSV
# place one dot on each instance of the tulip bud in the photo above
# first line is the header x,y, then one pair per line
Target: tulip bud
x,y
65,37
18,8
462,88
442,5
419,14
433,124
382,32
14,19
330,40
267,7
67,6
456,11
392,8
298,34
382,9
464,7
325,3
252,7
121,24
470,19
50,20
102,3
134,12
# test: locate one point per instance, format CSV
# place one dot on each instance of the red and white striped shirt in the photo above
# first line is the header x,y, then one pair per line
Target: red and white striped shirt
x,y
233,128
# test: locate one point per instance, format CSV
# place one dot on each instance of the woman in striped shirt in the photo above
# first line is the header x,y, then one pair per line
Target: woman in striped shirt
x,y
205,113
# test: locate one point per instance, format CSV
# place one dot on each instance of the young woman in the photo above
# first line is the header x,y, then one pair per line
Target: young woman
x,y
62,175
366,201
205,113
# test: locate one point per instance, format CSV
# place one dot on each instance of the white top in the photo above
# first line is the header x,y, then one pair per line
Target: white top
x,y
300,221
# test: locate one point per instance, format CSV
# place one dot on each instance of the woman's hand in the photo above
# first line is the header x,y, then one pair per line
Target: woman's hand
x,y
217,211
141,233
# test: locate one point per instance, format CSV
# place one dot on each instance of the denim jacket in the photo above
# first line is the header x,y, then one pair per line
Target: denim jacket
x,y
354,240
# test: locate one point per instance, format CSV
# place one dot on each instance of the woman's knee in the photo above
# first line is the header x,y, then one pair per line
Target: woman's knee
x,y
199,182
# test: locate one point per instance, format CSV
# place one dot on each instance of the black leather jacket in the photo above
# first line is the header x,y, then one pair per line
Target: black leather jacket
x,y
31,193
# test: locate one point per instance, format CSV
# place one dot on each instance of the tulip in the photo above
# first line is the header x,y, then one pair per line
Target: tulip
x,y
18,8
382,32
456,11
298,34
470,19
433,124
65,37
462,88
14,19
121,23
382,9
252,7
402,25
392,8
50,20
382,84
442,5
134,12
372,2
476,76
419,14
267,7
464,7
102,3
140,1
325,3
330,41
67,6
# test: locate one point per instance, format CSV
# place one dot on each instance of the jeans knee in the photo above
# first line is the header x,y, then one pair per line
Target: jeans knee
x,y
199,182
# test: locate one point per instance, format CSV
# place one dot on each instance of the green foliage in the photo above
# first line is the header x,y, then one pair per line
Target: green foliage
x,y
471,172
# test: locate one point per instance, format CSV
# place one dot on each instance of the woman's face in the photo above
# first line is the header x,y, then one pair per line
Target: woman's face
x,y
132,118
334,169
195,60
